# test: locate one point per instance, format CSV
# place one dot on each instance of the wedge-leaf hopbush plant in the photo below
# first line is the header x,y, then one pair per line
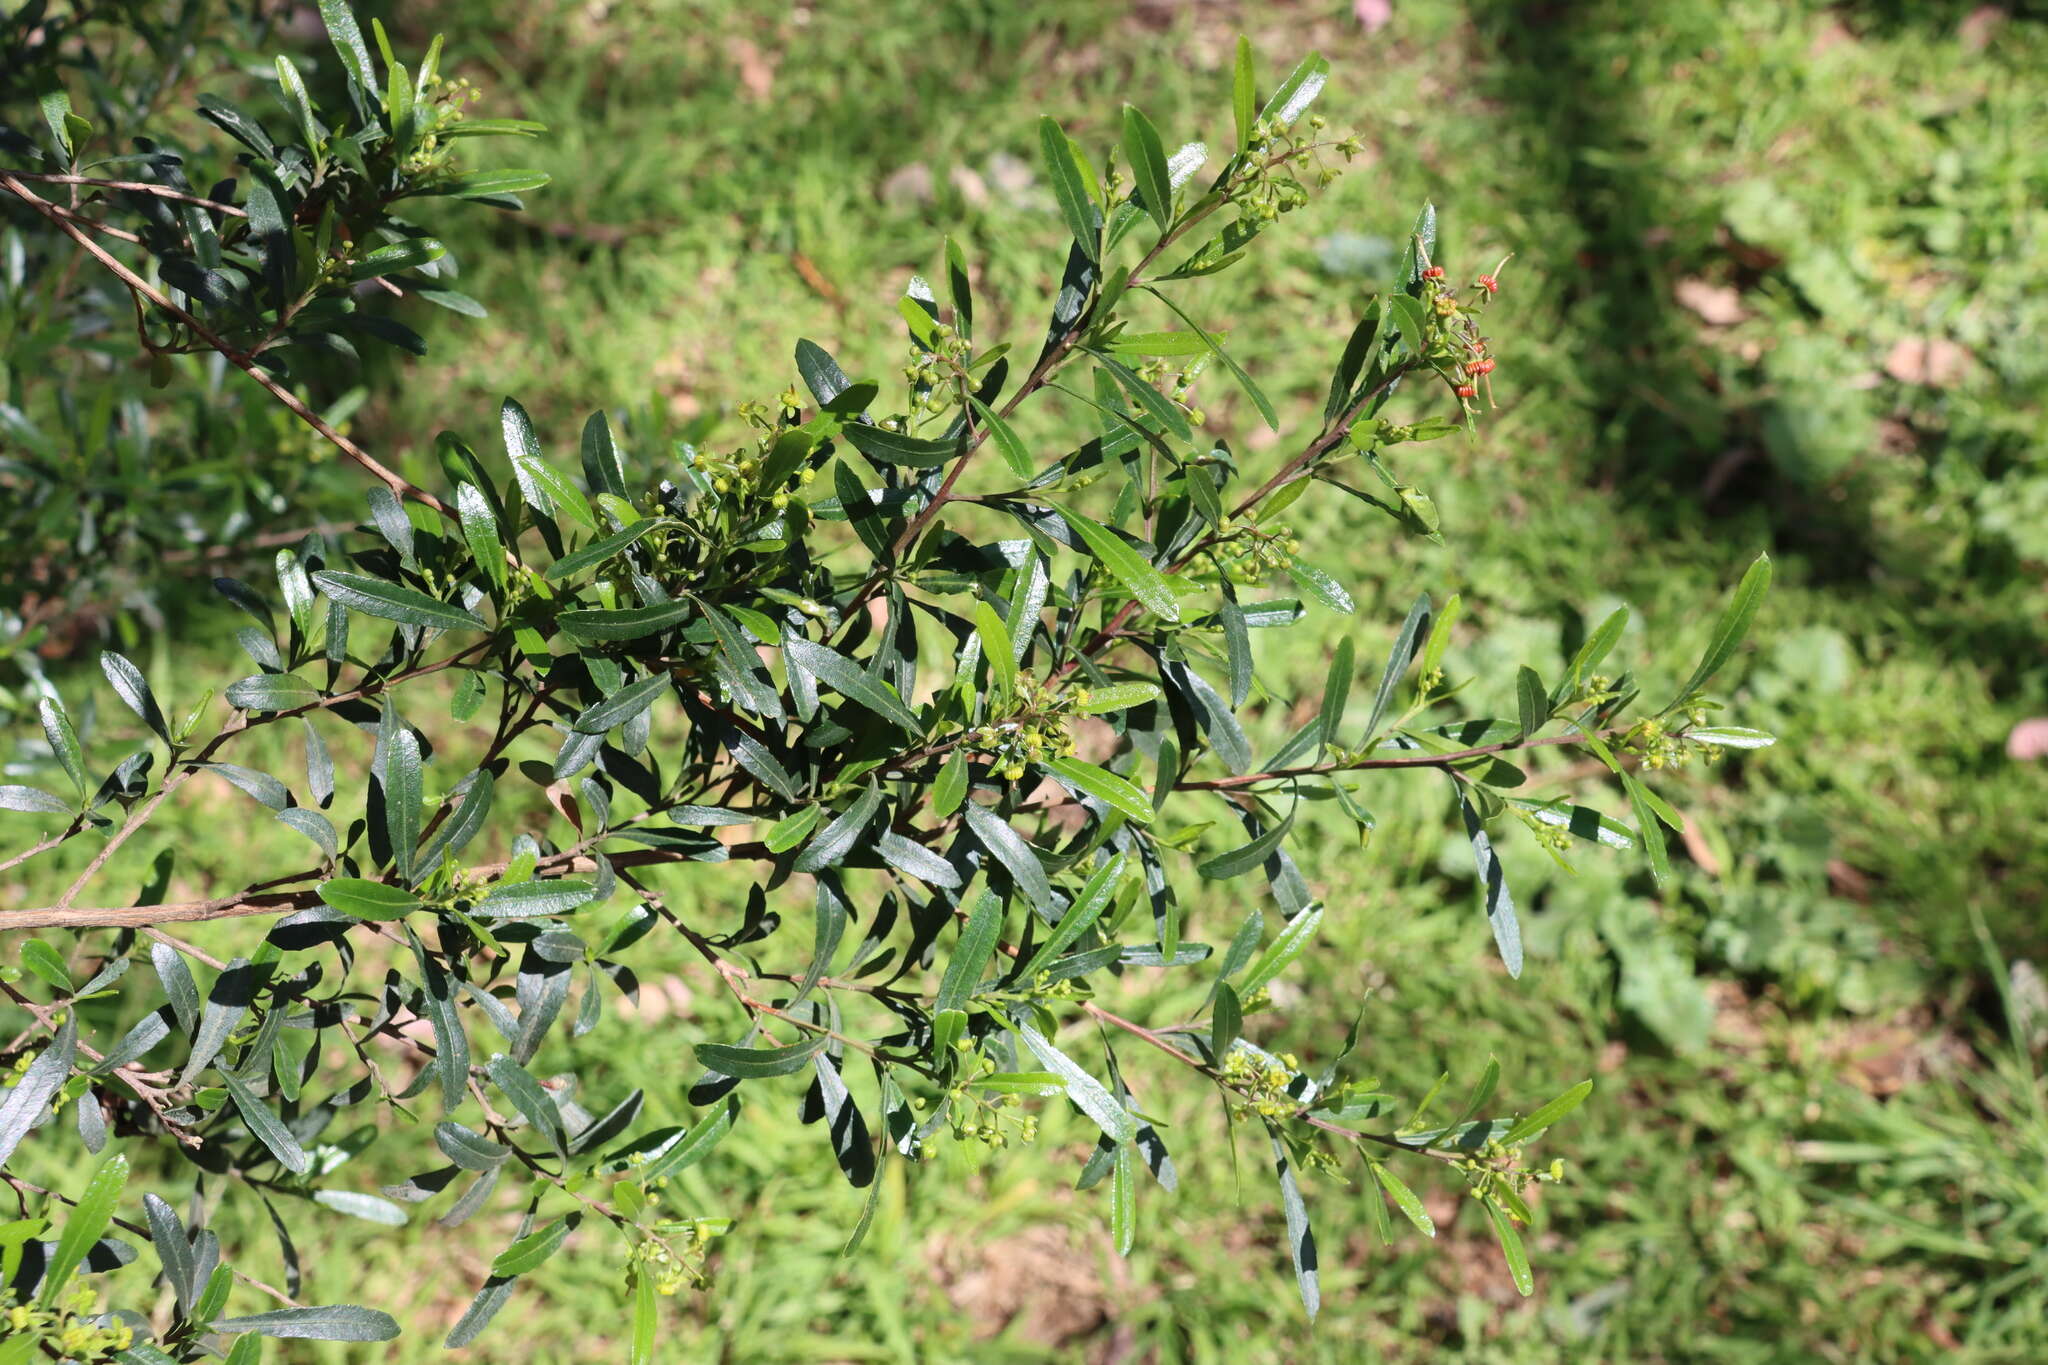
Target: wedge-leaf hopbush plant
x,y
277,237
967,704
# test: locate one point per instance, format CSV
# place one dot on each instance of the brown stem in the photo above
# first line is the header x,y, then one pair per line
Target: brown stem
x,y
132,187
396,482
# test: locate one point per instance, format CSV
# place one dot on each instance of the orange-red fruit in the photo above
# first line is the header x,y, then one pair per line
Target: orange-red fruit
x,y
1483,367
1435,272
1467,391
1489,284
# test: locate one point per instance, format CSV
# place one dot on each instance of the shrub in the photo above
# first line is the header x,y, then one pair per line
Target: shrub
x,y
977,708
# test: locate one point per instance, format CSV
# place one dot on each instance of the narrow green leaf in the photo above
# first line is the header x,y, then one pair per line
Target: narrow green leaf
x,y
480,532
1243,93
755,1063
970,956
1144,581
1336,691
265,1125
622,705
1086,908
1286,947
693,1146
1397,664
1119,792
852,681
339,1322
64,743
1493,889
1123,1205
1156,405
395,602
1237,371
532,1251
88,1220
1147,157
950,788
1532,702
1116,697
527,900
530,1100
1649,829
1730,737
133,689
1512,1250
1404,1199
1247,856
996,648
1087,1093
1013,851
1298,91
1226,1022
272,692
1734,624
1548,1113
598,626
1069,188
367,899
1007,443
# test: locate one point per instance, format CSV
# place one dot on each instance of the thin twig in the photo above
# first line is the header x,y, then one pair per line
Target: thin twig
x,y
396,482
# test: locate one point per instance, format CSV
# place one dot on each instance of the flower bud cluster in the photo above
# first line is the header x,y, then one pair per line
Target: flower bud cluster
x,y
1497,1167
675,1259
1035,729
1261,1084
1246,553
62,1328
1269,186
1661,749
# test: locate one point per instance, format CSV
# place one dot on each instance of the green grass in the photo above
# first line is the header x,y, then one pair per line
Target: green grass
x,y
1810,1137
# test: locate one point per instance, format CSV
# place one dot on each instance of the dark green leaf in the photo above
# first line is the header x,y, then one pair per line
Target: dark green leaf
x,y
340,1322
1143,580
526,900
589,627
265,1126
850,680
133,690
1005,438
622,705
272,692
1734,624
977,942
1148,166
367,899
1069,187
1100,782
1012,851
755,1063
532,1250
395,602
1087,1093
1493,889
1397,664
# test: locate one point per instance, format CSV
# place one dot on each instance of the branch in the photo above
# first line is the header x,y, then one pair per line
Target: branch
x,y
396,482
131,187
1404,761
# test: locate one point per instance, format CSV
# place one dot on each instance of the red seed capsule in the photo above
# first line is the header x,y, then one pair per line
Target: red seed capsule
x,y
1435,272
1467,391
1489,284
1483,367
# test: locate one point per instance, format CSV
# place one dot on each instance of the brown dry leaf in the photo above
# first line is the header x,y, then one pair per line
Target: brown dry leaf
x,y
1977,27
1935,362
2029,739
756,68
1717,305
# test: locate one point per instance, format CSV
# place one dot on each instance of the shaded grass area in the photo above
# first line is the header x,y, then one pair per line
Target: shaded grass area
x,y
1809,1139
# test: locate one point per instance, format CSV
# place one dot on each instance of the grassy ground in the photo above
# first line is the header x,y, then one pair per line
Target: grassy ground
x,y
1751,243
